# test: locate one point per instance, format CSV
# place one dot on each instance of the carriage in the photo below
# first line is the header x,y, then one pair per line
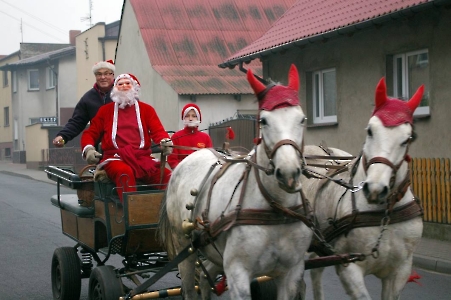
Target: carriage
x,y
208,212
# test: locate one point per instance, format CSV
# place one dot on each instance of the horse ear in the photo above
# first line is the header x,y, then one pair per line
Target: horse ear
x,y
256,85
293,78
381,93
416,99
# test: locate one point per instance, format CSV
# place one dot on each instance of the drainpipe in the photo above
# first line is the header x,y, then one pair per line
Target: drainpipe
x,y
56,92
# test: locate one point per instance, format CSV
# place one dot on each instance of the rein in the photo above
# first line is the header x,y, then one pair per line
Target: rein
x,y
382,217
278,214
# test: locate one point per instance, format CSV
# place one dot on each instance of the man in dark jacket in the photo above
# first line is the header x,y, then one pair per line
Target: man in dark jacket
x,y
89,104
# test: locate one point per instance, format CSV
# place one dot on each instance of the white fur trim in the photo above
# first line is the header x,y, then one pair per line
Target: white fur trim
x,y
103,65
185,112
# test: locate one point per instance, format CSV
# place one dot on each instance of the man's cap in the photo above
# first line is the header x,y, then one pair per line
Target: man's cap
x,y
108,64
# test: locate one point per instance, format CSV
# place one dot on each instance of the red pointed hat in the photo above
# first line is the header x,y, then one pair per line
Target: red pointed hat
x,y
192,106
276,96
393,112
128,76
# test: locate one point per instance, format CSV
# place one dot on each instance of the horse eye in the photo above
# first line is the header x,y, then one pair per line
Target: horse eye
x,y
303,120
263,121
409,140
369,132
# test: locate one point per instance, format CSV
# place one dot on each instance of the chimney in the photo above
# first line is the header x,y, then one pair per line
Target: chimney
x,y
72,35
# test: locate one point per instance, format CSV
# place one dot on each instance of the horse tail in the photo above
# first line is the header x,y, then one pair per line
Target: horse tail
x,y
164,233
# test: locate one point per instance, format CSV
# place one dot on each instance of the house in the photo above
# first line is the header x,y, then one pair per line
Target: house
x,y
173,47
6,134
36,82
61,74
343,48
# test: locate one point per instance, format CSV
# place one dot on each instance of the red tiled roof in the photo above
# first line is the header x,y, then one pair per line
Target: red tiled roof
x,y
186,39
307,19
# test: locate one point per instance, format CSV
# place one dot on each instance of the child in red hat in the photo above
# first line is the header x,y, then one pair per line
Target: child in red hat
x,y
190,136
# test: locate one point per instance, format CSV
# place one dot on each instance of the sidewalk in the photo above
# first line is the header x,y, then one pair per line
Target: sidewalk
x,y
431,254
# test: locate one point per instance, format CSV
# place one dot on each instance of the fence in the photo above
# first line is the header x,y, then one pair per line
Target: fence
x,y
431,183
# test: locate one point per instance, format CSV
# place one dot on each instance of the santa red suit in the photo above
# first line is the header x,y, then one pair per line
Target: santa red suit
x,y
190,136
126,135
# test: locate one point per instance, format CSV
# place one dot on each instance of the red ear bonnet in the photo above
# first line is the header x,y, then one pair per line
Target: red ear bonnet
x,y
394,112
276,96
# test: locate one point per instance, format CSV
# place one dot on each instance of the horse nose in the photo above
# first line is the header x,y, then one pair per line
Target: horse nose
x,y
290,179
375,193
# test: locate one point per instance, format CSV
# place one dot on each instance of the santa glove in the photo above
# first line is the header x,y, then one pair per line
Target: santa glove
x,y
166,146
92,156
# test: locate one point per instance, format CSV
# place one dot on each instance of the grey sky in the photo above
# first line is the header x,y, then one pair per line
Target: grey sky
x,y
49,21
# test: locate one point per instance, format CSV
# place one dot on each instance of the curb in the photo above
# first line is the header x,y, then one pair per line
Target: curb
x,y
432,264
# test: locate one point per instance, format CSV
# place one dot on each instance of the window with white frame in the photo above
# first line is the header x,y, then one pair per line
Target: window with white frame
x,y
51,78
33,80
324,92
14,81
410,71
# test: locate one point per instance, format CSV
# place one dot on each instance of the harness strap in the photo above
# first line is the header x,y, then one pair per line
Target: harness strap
x,y
399,214
252,217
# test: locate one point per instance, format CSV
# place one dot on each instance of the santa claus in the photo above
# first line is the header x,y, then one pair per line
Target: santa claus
x,y
126,128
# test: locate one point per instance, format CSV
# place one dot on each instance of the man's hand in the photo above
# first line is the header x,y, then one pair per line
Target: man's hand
x,y
166,146
92,156
58,141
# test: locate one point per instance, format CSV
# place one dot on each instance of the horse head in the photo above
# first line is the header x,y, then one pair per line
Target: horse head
x,y
281,124
389,134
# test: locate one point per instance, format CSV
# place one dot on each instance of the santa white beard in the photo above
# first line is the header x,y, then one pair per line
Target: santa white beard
x,y
124,98
191,123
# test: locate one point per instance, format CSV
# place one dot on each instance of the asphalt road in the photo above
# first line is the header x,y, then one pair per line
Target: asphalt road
x,y
30,230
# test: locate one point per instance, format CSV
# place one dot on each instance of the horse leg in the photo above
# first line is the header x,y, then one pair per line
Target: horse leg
x,y
393,285
238,282
289,285
317,286
353,281
187,271
204,285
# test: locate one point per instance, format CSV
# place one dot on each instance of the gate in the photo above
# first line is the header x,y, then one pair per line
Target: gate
x,y
245,131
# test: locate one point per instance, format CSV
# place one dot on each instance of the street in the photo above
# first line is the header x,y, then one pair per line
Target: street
x,y
30,230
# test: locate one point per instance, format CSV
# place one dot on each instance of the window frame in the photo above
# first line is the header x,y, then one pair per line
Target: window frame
x,y
50,78
404,94
318,88
6,116
29,80
5,78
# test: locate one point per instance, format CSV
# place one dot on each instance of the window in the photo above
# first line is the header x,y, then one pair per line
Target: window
x,y
5,78
7,152
6,116
33,80
51,77
14,81
324,93
410,71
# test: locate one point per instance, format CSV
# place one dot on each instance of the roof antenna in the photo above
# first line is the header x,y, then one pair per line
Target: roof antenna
x,y
89,17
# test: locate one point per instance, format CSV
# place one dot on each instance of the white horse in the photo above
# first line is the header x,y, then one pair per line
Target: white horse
x,y
245,206
394,227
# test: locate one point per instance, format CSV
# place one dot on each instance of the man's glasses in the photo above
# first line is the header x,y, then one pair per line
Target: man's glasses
x,y
103,74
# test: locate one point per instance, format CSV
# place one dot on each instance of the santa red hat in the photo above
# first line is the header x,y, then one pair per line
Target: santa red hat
x,y
108,64
129,76
191,106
